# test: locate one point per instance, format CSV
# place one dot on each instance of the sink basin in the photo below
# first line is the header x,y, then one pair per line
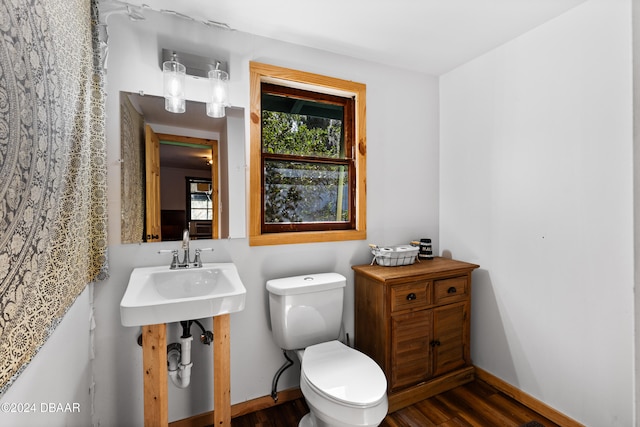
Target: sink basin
x,y
161,295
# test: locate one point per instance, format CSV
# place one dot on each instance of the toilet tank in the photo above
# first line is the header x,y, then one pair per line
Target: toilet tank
x,y
306,310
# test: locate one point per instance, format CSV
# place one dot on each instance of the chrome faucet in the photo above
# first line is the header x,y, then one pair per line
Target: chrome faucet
x,y
185,247
186,258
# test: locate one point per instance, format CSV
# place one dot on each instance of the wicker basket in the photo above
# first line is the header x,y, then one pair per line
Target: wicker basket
x,y
393,256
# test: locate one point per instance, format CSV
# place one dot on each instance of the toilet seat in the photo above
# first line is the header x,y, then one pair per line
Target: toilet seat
x,y
343,375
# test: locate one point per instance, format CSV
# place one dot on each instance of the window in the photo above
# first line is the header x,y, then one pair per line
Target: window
x,y
307,170
307,162
200,208
199,202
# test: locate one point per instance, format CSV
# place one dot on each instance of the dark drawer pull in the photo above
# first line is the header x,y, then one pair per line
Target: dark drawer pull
x,y
411,296
452,290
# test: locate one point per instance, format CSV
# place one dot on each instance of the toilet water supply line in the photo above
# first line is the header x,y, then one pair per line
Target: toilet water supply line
x,y
276,378
289,363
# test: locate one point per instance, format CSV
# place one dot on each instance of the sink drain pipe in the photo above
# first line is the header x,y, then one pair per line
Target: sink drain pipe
x,y
179,358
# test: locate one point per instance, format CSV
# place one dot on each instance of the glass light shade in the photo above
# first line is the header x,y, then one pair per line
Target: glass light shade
x,y
174,82
216,111
219,84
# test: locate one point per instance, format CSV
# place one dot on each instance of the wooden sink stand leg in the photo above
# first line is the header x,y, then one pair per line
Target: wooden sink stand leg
x,y
154,363
221,371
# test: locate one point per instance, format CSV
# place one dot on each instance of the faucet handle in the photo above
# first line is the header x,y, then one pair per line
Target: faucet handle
x,y
198,260
168,251
174,259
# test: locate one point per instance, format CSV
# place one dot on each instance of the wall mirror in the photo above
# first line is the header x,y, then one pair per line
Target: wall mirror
x,y
180,171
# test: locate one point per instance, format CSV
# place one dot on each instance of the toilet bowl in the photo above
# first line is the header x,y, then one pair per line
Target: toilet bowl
x,y
342,386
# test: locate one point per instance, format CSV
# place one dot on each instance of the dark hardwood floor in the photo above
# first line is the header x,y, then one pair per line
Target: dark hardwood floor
x,y
476,404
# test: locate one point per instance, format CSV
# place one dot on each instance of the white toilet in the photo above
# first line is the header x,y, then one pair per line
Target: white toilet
x,y
342,387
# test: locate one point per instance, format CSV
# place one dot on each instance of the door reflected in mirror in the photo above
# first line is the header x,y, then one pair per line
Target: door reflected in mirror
x,y
175,171
170,208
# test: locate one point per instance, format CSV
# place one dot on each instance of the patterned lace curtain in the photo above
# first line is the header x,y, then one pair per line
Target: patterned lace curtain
x,y
52,170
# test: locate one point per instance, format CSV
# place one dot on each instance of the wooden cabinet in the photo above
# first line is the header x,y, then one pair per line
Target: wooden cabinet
x,y
414,322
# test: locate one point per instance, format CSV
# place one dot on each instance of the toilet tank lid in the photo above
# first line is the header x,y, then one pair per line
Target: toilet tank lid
x,y
306,283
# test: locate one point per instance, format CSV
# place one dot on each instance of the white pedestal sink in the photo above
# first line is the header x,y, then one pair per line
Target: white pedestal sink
x,y
158,295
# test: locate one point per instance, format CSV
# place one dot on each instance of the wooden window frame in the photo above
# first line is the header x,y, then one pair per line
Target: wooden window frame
x,y
264,73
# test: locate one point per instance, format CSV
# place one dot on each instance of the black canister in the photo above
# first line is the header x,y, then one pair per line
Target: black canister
x,y
425,250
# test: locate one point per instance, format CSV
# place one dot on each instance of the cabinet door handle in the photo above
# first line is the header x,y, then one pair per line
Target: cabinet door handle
x,y
411,296
452,290
434,343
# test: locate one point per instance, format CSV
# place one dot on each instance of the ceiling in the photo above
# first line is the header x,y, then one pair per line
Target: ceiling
x,y
430,36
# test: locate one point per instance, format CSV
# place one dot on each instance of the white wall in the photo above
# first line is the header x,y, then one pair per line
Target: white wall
x,y
636,191
174,195
536,187
59,374
402,204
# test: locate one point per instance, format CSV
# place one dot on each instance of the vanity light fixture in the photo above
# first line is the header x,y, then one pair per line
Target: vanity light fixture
x,y
174,79
219,83
175,65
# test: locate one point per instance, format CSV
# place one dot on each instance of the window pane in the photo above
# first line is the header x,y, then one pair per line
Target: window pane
x,y
305,192
200,214
303,134
200,199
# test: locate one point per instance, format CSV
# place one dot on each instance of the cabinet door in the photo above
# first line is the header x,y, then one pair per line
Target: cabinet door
x,y
410,350
451,337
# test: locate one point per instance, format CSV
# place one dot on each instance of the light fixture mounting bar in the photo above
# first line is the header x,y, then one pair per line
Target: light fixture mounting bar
x,y
198,66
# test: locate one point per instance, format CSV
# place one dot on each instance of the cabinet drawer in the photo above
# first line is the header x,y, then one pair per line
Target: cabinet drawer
x,y
411,295
449,290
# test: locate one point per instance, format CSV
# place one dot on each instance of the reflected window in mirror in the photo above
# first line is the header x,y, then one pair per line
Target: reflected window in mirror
x,y
200,211
199,199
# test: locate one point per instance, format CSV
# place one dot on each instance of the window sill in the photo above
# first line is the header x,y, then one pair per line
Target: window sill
x,y
306,237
